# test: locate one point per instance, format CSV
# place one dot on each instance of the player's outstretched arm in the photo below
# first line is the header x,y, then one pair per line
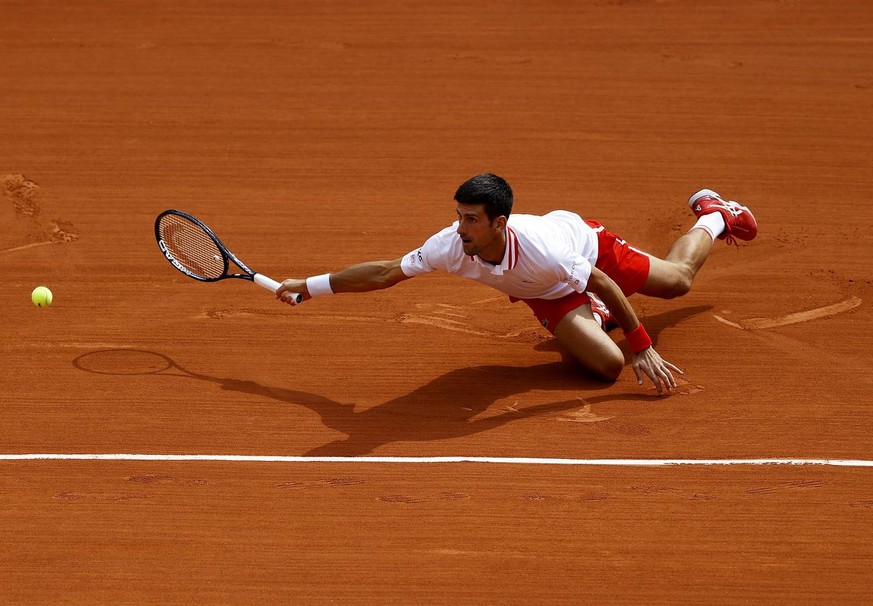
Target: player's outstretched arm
x,y
363,277
646,361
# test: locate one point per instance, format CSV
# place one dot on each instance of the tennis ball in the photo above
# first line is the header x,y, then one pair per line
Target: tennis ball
x,y
41,296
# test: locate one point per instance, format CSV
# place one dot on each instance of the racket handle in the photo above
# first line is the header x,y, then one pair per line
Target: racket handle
x,y
271,285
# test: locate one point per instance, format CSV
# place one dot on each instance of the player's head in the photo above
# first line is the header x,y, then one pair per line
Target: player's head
x,y
489,190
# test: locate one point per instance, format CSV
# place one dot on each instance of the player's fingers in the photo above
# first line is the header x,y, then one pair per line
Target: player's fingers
x,y
667,377
289,298
638,374
656,380
672,367
284,288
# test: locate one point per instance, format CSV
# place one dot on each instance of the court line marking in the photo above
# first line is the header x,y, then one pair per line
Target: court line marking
x,y
421,460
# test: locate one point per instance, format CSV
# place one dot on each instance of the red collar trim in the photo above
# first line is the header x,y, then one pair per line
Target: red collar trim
x,y
512,245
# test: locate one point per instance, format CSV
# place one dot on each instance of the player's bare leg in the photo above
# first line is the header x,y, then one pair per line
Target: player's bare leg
x,y
581,335
672,276
716,219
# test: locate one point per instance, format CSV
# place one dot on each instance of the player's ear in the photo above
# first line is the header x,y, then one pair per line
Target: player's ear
x,y
500,223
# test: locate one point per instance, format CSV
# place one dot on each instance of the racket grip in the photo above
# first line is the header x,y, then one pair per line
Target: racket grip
x,y
271,285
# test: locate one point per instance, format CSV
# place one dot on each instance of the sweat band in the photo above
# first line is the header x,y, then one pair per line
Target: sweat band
x,y
319,286
638,339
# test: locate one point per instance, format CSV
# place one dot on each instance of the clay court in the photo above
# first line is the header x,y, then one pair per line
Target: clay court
x,y
314,135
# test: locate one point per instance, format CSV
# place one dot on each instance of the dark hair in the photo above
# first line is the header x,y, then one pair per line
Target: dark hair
x,y
492,191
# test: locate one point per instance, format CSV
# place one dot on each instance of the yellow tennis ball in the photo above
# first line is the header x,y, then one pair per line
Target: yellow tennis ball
x,y
41,296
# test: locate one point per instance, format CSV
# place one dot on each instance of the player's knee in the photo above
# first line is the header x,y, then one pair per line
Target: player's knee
x,y
613,368
680,285
608,368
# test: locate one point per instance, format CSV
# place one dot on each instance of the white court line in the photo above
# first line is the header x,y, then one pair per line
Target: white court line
x,y
417,460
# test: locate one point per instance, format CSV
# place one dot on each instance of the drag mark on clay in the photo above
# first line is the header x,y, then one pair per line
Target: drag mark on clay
x,y
37,230
49,343
23,194
221,313
795,484
25,246
321,483
456,326
795,318
583,415
456,319
412,499
100,497
685,387
448,310
165,479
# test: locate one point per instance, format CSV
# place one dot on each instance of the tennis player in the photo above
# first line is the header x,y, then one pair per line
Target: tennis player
x,y
573,273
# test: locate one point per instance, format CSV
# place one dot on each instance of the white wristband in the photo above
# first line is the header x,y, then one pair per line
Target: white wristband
x,y
319,286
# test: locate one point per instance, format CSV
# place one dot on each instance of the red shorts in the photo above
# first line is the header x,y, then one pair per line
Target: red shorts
x,y
627,266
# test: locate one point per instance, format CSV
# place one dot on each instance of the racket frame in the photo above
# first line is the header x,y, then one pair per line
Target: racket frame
x,y
226,256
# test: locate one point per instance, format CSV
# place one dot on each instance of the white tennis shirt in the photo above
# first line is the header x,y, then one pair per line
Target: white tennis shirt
x,y
547,257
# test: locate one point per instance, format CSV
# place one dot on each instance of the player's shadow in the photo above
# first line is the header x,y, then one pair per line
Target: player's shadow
x,y
445,408
453,405
457,403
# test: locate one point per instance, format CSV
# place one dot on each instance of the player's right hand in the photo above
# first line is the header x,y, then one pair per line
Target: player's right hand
x,y
650,363
292,285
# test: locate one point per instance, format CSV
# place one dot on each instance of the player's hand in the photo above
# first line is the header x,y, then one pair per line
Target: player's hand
x,y
649,363
283,293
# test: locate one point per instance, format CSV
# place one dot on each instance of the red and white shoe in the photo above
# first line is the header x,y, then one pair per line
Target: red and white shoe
x,y
598,308
738,219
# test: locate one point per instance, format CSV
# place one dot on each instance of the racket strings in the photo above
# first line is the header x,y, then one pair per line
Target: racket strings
x,y
191,246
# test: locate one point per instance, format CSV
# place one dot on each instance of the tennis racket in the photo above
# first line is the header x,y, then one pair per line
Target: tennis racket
x,y
194,249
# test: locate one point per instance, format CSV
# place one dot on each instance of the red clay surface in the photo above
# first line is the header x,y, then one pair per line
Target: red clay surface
x,y
314,135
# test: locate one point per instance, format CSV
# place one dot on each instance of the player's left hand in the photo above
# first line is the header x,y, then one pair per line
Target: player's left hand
x,y
650,363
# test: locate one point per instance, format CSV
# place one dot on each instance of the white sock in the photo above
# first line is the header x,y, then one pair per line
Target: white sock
x,y
713,224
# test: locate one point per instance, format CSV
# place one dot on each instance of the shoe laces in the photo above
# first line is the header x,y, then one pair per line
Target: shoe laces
x,y
734,208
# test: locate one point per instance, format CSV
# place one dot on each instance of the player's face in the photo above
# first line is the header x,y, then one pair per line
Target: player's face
x,y
479,235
